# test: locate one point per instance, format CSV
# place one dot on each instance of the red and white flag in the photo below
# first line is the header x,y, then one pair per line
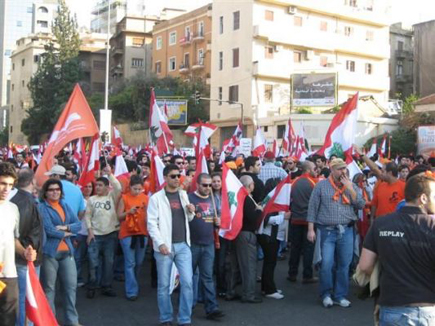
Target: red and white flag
x,y
275,148
201,167
38,309
207,128
373,149
288,141
80,154
340,137
232,144
300,151
117,139
156,178
233,199
160,133
92,164
383,148
259,143
278,200
120,165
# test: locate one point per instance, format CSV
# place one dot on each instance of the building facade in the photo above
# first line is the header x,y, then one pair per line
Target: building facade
x,y
424,59
182,46
258,45
401,61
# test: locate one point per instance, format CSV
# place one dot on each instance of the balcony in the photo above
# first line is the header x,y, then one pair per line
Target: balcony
x,y
198,65
403,79
117,51
402,54
186,40
199,37
183,69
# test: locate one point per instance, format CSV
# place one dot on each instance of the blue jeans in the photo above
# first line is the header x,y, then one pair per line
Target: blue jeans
x,y
412,316
104,245
337,254
182,257
80,255
133,259
64,266
203,259
22,272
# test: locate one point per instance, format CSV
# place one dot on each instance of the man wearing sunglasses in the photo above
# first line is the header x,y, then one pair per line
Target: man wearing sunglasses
x,y
202,238
169,213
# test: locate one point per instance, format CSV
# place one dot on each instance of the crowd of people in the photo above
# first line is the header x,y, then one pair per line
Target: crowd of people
x,y
377,224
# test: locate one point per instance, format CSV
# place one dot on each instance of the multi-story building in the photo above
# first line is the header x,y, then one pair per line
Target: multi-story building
x,y
182,45
401,61
25,60
424,59
258,45
131,47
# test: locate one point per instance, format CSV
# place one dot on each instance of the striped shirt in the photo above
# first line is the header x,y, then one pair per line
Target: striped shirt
x,y
323,210
271,171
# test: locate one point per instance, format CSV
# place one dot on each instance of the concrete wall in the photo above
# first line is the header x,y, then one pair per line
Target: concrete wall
x,y
424,58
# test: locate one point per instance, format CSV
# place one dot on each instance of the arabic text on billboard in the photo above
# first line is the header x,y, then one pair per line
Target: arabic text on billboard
x,y
314,90
426,141
177,110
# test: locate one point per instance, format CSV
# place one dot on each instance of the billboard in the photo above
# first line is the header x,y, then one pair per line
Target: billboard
x,y
426,141
177,110
314,89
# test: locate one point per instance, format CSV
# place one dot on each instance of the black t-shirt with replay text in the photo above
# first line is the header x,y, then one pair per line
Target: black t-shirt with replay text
x,y
405,244
178,217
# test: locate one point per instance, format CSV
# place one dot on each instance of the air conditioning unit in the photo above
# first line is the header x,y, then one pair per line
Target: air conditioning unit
x,y
292,10
309,54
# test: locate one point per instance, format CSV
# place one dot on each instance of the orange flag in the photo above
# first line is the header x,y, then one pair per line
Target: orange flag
x,y
76,121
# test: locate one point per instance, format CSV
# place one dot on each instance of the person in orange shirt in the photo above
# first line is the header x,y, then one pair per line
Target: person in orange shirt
x,y
389,192
133,233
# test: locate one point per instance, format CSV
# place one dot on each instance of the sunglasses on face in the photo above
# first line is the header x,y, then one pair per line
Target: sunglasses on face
x,y
206,185
165,161
173,176
178,163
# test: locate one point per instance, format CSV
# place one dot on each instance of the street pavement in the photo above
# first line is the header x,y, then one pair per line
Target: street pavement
x,y
301,306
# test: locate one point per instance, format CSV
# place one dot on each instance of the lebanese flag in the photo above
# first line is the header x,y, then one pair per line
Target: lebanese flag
x,y
275,148
92,163
259,143
76,121
201,141
382,149
156,178
38,309
208,129
235,140
340,137
160,133
372,150
233,199
80,154
120,165
200,168
289,138
278,200
117,139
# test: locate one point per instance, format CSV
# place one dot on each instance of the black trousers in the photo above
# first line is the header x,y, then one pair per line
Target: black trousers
x,y
300,246
270,248
221,260
9,302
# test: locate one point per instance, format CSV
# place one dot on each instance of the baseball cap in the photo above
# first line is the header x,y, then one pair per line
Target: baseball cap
x,y
56,169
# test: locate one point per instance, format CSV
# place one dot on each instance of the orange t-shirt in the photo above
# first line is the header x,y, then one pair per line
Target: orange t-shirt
x,y
134,224
125,184
386,197
58,208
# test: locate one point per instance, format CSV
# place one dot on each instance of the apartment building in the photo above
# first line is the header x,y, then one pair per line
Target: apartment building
x,y
25,60
258,45
182,45
130,47
424,60
401,61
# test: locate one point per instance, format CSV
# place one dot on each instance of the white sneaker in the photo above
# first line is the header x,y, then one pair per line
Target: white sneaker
x,y
327,302
343,303
279,291
276,295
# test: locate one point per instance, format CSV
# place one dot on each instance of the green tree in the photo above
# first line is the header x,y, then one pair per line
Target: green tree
x,y
408,103
58,71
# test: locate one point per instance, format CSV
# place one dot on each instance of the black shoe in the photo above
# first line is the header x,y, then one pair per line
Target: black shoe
x,y
253,300
90,294
291,278
133,298
232,297
108,292
214,315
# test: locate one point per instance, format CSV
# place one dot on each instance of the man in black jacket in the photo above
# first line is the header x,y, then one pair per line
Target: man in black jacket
x,y
253,168
31,232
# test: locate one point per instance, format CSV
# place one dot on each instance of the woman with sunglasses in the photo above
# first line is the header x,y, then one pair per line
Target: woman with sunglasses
x,y
60,223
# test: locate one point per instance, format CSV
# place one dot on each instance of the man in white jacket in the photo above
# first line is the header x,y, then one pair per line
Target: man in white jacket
x,y
169,213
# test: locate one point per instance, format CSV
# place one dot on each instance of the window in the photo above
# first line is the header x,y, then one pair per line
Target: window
x,y
400,45
42,23
42,10
221,24
280,131
138,41
8,53
13,66
268,54
399,68
221,60
351,3
234,93
348,30
201,29
268,93
186,62
323,61
23,62
268,15
236,20
220,95
369,35
158,68
369,68
187,33
99,65
172,64
172,38
297,56
36,58
324,26
159,43
19,23
235,58
137,62
350,65
201,56
12,86
297,21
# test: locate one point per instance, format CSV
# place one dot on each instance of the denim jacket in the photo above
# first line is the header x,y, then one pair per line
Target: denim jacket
x,y
51,219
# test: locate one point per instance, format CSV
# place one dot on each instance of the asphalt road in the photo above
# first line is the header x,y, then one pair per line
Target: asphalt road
x,y
301,306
